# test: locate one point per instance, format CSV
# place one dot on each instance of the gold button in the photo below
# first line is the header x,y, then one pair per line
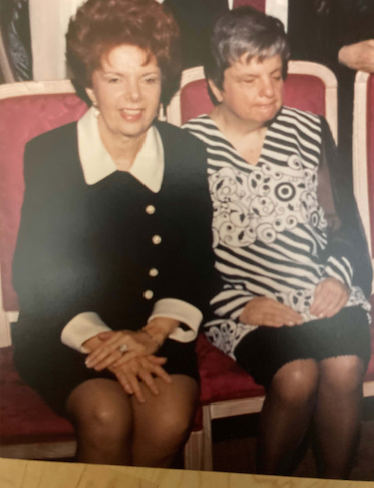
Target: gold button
x,y
148,294
156,239
150,209
153,272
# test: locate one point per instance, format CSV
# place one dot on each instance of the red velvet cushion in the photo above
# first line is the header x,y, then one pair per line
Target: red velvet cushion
x,y
221,377
259,4
370,151
305,92
23,118
24,417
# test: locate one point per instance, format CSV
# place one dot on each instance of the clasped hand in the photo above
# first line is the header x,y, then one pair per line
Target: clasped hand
x,y
108,352
139,364
330,296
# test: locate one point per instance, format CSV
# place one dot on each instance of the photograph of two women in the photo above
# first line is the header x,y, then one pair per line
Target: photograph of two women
x,y
182,227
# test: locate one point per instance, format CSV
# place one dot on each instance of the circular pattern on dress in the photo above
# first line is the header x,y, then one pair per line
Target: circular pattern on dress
x,y
285,192
315,218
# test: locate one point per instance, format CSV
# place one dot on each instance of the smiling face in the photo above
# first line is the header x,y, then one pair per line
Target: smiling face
x,y
126,90
252,91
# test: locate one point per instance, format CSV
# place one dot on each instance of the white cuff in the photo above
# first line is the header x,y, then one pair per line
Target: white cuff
x,y
82,327
188,314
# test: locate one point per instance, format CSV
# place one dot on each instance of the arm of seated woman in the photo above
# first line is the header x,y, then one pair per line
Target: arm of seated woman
x,y
268,312
88,324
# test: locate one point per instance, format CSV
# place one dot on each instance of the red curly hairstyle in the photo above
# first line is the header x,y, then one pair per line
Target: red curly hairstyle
x,y
101,25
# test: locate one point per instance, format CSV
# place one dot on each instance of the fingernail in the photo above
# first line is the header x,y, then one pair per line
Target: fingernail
x,y
291,323
320,316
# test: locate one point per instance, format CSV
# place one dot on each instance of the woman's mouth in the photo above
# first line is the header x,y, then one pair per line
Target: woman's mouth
x,y
131,114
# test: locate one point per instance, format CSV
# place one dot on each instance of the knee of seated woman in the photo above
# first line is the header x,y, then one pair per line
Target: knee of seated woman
x,y
297,381
342,373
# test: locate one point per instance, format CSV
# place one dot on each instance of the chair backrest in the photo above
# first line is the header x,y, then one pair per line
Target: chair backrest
x,y
26,110
309,86
363,153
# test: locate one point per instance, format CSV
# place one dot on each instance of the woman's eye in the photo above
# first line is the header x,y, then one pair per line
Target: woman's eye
x,y
151,80
113,80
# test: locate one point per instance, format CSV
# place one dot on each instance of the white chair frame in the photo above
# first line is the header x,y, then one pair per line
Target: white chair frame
x,y
360,180
360,176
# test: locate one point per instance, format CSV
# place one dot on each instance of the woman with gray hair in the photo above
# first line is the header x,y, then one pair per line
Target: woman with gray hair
x,y
289,246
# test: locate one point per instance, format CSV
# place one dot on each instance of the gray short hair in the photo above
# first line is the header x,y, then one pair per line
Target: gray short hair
x,y
244,30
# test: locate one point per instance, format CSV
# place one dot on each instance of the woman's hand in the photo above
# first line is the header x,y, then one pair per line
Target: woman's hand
x,y
143,342
141,369
108,352
267,312
330,296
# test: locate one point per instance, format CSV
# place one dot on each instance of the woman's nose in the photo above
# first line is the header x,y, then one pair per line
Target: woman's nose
x,y
133,91
267,88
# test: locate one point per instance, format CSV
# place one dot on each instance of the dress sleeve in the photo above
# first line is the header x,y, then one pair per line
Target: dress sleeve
x,y
230,302
346,256
50,291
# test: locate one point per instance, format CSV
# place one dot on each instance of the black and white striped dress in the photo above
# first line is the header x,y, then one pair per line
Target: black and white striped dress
x,y
270,232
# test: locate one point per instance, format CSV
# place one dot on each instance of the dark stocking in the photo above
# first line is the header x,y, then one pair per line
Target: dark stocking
x,y
337,415
286,415
101,412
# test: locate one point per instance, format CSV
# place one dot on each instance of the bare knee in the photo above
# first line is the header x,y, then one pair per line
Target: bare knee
x,y
100,412
296,382
342,374
173,428
165,422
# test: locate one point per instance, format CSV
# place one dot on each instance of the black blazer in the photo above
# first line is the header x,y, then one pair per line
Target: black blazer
x,y
89,247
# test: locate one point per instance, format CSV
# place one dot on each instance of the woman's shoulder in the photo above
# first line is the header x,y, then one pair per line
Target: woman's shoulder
x,y
299,116
304,121
178,138
202,122
50,149
53,138
184,154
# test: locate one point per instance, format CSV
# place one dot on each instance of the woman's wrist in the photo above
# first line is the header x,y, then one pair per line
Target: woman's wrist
x,y
159,329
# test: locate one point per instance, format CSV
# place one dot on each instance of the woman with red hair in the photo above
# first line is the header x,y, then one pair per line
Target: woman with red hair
x,y
114,257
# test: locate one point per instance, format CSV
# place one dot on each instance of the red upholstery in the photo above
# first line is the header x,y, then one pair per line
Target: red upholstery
x,y
370,151
305,92
221,377
24,417
259,4
23,118
297,93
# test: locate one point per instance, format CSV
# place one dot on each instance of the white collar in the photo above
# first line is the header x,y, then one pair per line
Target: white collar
x,y
97,164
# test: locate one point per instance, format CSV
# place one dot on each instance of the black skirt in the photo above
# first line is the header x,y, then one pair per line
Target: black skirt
x,y
54,374
265,350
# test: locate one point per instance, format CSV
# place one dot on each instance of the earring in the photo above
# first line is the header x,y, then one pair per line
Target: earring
x,y
96,109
